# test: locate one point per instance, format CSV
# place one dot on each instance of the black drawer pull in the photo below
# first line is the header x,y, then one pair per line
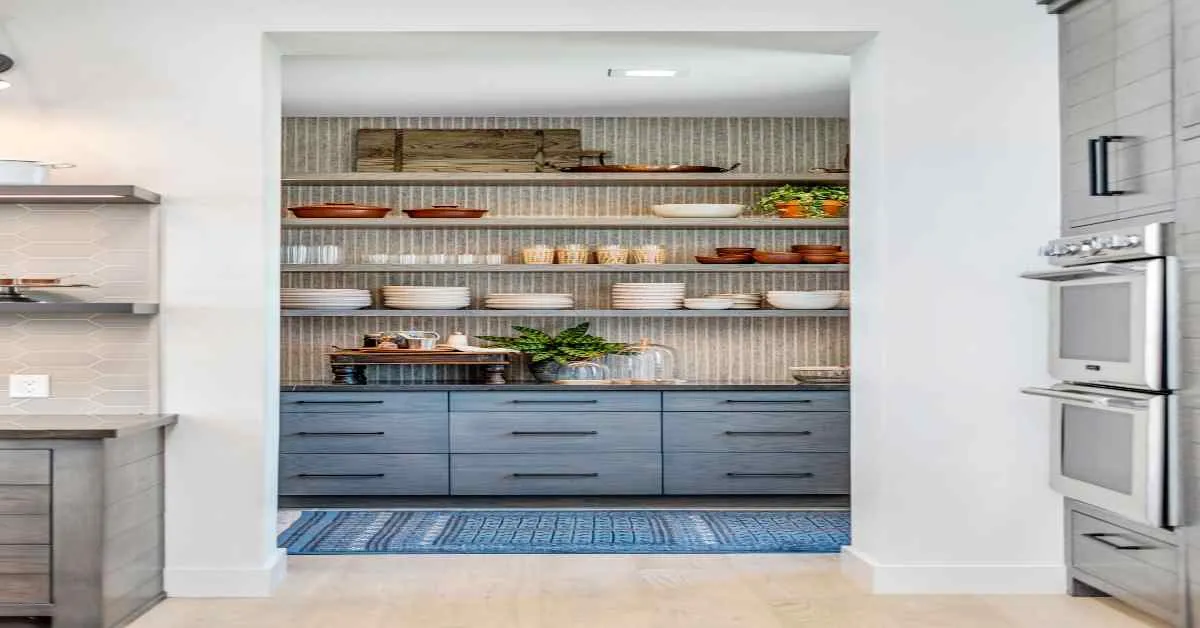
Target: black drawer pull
x,y
555,401
768,401
585,433
780,433
1103,537
555,475
341,402
769,475
341,475
340,433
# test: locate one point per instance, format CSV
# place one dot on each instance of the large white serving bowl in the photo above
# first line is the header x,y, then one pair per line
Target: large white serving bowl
x,y
697,210
802,300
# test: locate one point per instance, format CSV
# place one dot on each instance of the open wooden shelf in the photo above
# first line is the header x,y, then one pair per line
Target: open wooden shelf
x,y
561,178
560,222
565,268
570,313
77,195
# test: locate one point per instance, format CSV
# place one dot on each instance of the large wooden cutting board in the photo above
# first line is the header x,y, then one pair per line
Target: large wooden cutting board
x,y
466,150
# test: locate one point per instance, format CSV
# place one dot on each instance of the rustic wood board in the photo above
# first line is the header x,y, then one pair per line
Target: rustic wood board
x,y
466,150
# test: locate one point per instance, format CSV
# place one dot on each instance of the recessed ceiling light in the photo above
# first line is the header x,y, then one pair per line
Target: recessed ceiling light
x,y
5,84
664,73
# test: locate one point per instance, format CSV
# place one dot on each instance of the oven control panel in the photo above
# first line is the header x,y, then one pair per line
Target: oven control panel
x,y
1152,240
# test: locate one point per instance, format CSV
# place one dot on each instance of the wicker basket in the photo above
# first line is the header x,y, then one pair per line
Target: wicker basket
x,y
571,254
537,255
650,254
612,255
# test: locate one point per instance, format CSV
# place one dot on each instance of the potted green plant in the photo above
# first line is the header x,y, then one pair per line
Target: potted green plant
x,y
803,201
833,199
546,352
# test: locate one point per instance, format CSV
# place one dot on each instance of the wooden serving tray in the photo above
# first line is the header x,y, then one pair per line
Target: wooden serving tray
x,y
466,150
349,365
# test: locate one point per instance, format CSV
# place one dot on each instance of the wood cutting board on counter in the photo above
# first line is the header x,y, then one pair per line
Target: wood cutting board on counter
x,y
466,150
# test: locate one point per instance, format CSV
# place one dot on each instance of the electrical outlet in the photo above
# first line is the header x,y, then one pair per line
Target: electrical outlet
x,y
28,386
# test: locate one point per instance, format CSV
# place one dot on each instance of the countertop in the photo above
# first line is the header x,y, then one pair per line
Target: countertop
x,y
325,386
80,426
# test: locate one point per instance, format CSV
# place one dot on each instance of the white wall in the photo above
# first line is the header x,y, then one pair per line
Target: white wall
x,y
954,183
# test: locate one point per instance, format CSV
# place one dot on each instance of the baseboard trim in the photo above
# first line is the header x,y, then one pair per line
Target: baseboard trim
x,y
260,582
953,579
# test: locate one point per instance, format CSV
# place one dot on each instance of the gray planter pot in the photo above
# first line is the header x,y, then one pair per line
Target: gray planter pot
x,y
544,371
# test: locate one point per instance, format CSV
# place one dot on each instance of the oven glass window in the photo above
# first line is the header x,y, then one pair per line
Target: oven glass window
x,y
1098,447
1096,322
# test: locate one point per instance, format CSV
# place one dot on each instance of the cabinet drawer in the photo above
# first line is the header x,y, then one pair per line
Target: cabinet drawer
x,y
24,529
1143,566
363,474
556,474
24,589
546,432
767,474
317,433
25,466
24,559
750,401
756,431
24,500
555,401
363,402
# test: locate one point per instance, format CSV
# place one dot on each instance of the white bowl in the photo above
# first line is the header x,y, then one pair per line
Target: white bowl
x,y
697,210
708,304
802,300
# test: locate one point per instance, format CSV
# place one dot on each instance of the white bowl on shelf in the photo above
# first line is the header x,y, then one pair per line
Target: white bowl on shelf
x,y
785,300
697,210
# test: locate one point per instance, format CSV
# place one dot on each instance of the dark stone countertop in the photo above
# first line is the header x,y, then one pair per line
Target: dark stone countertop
x,y
325,386
80,426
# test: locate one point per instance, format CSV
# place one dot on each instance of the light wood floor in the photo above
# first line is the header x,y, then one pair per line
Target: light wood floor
x,y
752,591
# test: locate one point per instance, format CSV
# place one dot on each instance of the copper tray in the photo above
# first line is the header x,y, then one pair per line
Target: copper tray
x,y
339,210
445,211
650,168
712,259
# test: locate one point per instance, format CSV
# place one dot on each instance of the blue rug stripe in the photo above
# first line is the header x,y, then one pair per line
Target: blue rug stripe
x,y
566,532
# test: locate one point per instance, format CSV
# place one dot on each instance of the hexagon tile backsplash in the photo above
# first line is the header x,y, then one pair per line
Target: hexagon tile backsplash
x,y
105,364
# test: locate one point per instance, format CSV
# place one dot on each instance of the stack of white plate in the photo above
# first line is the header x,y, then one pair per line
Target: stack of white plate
x,y
799,300
517,301
426,297
648,296
741,300
324,299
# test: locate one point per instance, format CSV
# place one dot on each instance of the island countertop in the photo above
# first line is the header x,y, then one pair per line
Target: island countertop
x,y
325,386
80,426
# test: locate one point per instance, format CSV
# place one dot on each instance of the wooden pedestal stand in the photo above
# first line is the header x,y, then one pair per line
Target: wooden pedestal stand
x,y
350,365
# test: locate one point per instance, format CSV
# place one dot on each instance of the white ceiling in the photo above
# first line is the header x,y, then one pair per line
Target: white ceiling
x,y
565,74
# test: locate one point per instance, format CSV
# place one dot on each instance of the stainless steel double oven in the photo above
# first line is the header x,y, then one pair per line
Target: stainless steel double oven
x,y
1114,348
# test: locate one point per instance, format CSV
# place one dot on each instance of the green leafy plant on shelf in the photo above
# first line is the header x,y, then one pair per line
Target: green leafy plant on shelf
x,y
807,201
547,352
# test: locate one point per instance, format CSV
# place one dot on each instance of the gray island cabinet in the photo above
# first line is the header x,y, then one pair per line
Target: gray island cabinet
x,y
81,502
546,440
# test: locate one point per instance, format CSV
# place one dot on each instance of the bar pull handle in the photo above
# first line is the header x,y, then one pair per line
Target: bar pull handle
x,y
1120,544
1094,185
769,475
580,433
340,433
1101,185
555,401
341,475
555,475
776,433
768,401
341,402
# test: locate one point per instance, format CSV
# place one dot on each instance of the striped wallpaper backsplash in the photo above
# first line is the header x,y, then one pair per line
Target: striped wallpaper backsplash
x,y
716,349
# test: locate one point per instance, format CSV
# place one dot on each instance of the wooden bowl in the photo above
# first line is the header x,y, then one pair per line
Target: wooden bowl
x,y
777,257
339,210
445,212
816,248
725,259
734,251
819,258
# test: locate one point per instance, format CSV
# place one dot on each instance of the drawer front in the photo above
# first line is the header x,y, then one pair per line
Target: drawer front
x,y
556,474
24,529
756,474
756,401
24,589
751,432
25,466
1141,565
553,432
24,559
556,401
24,500
363,402
363,474
319,433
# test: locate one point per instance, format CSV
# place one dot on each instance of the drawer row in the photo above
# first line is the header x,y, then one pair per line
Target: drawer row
x,y
583,432
565,474
558,401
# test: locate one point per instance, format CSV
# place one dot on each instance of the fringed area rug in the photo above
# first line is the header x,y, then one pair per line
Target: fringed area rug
x,y
566,532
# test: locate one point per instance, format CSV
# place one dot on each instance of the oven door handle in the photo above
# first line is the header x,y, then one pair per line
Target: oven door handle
x,y
1086,272
1095,400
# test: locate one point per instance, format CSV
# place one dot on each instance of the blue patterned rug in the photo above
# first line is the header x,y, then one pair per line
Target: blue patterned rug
x,y
566,532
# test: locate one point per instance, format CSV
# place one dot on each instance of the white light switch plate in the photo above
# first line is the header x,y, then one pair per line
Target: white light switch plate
x,y
28,386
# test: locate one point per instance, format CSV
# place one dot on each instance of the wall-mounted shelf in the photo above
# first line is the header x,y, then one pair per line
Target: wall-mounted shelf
x,y
569,313
561,178
558,222
138,309
565,268
77,195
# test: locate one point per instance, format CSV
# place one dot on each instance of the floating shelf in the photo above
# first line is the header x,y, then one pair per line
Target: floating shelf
x,y
569,313
561,178
139,309
558,222
77,195
565,268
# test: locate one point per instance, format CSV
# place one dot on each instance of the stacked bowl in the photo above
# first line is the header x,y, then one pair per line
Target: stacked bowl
x,y
517,301
796,300
324,299
741,300
426,297
648,296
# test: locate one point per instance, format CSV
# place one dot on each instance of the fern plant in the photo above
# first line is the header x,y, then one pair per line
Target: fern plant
x,y
569,345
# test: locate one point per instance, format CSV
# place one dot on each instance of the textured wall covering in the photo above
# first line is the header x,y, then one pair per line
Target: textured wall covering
x,y
747,350
100,363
